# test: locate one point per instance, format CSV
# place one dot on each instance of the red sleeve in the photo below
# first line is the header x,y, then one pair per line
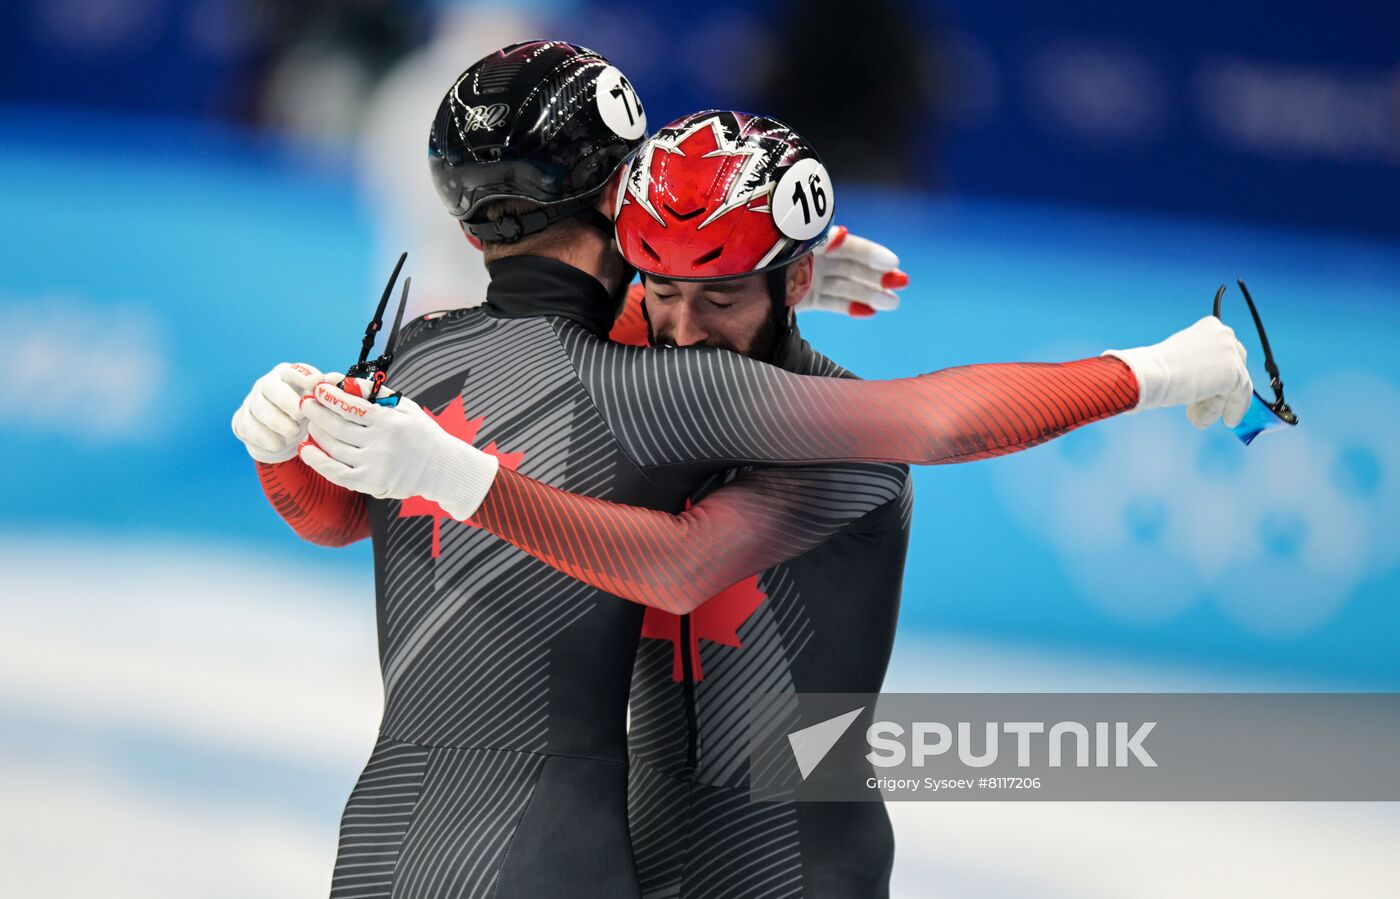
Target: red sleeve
x,y
320,512
675,562
630,328
959,414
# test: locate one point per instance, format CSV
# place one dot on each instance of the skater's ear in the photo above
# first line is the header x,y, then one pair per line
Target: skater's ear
x,y
799,280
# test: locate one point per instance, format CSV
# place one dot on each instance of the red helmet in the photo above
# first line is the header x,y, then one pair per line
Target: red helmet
x,y
720,195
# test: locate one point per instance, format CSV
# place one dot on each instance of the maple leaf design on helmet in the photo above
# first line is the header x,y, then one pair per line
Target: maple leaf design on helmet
x,y
711,195
743,170
453,419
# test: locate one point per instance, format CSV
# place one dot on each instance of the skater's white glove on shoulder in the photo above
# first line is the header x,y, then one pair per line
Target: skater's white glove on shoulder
x,y
393,452
1201,367
853,276
269,422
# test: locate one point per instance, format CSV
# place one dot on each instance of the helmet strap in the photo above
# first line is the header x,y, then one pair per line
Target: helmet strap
x,y
782,314
510,228
599,222
777,288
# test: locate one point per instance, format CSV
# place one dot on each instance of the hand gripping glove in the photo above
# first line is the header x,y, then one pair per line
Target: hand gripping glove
x,y
1201,367
854,276
393,452
269,422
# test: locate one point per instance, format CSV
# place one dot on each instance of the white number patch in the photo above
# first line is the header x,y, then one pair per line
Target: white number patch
x,y
619,105
802,202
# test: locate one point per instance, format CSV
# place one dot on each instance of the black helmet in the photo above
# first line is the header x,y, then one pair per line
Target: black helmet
x,y
543,121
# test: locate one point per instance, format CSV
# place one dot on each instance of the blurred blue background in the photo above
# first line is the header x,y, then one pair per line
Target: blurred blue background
x,y
192,192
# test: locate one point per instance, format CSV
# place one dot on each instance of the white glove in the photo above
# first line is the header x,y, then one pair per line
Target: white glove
x,y
269,422
1201,367
853,276
393,452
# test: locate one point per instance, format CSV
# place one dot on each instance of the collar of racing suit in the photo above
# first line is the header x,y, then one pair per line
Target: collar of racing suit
x,y
530,286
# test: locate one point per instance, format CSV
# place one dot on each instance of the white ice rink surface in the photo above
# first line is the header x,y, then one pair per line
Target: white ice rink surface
x,y
184,721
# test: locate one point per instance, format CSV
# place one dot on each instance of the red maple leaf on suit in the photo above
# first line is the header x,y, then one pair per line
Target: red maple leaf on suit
x,y
718,620
453,419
